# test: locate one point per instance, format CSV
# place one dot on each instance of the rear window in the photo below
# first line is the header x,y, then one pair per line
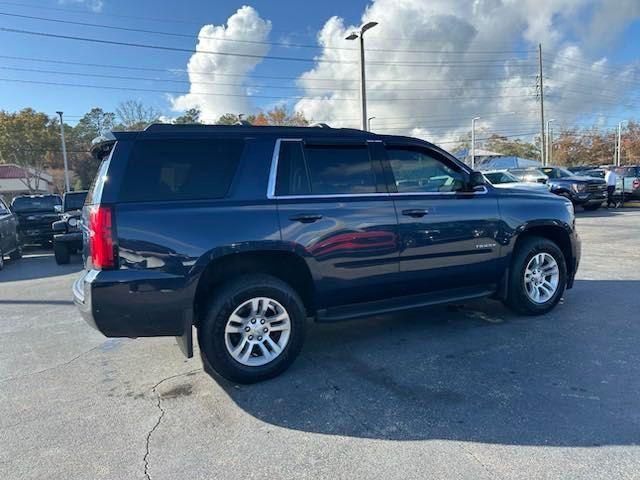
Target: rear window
x,y
39,204
180,169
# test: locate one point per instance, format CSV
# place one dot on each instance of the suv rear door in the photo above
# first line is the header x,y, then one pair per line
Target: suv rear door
x,y
334,207
447,235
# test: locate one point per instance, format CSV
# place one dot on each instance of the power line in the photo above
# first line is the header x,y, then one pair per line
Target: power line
x,y
195,82
254,42
474,63
266,77
37,82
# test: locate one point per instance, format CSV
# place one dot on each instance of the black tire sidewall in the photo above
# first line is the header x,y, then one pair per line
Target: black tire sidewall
x,y
61,254
518,298
211,333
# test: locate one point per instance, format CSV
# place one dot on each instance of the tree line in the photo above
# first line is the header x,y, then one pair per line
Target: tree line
x,y
31,139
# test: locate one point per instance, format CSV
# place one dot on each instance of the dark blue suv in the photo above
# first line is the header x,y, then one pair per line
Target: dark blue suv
x,y
246,232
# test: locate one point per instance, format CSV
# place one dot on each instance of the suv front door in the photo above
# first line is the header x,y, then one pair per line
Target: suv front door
x,y
447,234
334,209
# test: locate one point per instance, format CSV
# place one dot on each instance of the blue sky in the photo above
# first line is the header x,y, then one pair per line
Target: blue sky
x,y
576,35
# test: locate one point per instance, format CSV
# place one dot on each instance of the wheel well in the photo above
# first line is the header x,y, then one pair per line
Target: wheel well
x,y
286,266
557,235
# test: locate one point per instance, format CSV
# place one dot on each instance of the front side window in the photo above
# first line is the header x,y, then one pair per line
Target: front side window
x,y
417,171
324,170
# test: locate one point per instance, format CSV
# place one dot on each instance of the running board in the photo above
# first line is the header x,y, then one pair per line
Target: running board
x,y
397,304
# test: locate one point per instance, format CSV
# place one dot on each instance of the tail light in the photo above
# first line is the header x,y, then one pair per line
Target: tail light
x,y
101,237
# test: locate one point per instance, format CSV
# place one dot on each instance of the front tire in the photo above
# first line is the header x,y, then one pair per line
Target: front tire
x,y
17,253
537,278
253,328
591,208
1,259
61,253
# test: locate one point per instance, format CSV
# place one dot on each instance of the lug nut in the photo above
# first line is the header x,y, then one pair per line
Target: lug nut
x,y
262,321
246,329
259,338
265,329
250,337
253,320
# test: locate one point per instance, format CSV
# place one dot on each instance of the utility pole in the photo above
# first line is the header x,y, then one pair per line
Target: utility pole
x,y
542,140
64,155
548,152
363,88
619,159
473,142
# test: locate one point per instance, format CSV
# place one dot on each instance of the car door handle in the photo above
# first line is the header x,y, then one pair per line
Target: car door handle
x,y
415,212
305,217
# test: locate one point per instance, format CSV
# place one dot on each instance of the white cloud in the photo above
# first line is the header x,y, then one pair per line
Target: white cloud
x,y
576,85
216,100
93,5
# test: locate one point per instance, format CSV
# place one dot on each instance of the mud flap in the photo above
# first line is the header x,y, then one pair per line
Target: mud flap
x,y
185,341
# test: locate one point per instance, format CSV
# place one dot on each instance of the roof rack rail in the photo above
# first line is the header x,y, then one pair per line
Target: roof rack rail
x,y
319,125
244,123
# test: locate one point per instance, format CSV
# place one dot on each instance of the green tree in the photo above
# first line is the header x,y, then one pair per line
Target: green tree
x,y
508,146
94,123
190,116
31,140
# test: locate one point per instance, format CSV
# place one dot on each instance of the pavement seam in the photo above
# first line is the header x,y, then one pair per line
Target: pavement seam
x,y
492,474
48,369
145,459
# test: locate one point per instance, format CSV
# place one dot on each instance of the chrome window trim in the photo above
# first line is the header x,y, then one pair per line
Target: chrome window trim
x,y
273,171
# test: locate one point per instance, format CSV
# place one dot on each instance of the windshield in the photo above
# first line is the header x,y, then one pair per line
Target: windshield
x,y
74,201
36,204
557,172
500,177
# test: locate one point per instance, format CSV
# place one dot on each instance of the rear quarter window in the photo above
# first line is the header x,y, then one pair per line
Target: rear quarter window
x,y
165,170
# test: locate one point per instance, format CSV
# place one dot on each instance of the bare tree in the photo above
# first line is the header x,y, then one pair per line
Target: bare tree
x,y
134,115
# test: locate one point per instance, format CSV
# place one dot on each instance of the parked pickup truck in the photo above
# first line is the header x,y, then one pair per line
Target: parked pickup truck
x,y
35,215
588,192
67,238
244,232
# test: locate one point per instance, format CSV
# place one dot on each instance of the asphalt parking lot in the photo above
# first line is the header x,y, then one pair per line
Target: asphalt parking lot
x,y
466,391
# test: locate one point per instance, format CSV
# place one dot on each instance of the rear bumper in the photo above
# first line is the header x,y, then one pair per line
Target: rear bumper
x,y
123,303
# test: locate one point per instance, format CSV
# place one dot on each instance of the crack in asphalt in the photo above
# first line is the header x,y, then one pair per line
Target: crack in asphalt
x,y
334,397
492,474
145,459
48,369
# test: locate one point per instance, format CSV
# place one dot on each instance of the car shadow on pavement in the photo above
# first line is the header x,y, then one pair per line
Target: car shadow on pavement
x,y
37,264
470,373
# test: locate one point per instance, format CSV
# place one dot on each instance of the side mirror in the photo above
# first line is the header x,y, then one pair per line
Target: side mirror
x,y
476,179
57,208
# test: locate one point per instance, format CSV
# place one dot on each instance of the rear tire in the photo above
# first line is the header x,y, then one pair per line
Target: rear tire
x,y
61,253
523,285
1,259
17,253
231,320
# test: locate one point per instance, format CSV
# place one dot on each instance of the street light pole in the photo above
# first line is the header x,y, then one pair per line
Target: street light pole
x,y
363,88
64,155
473,141
369,123
548,142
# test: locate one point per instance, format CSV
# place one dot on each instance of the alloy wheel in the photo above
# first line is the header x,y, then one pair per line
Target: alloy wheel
x,y
257,331
541,277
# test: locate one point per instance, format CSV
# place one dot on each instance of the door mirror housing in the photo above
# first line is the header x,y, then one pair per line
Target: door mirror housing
x,y
476,179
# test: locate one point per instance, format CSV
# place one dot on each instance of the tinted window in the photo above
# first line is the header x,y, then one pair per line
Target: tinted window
x,y
3,207
180,169
500,177
292,176
344,169
416,171
40,204
74,201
